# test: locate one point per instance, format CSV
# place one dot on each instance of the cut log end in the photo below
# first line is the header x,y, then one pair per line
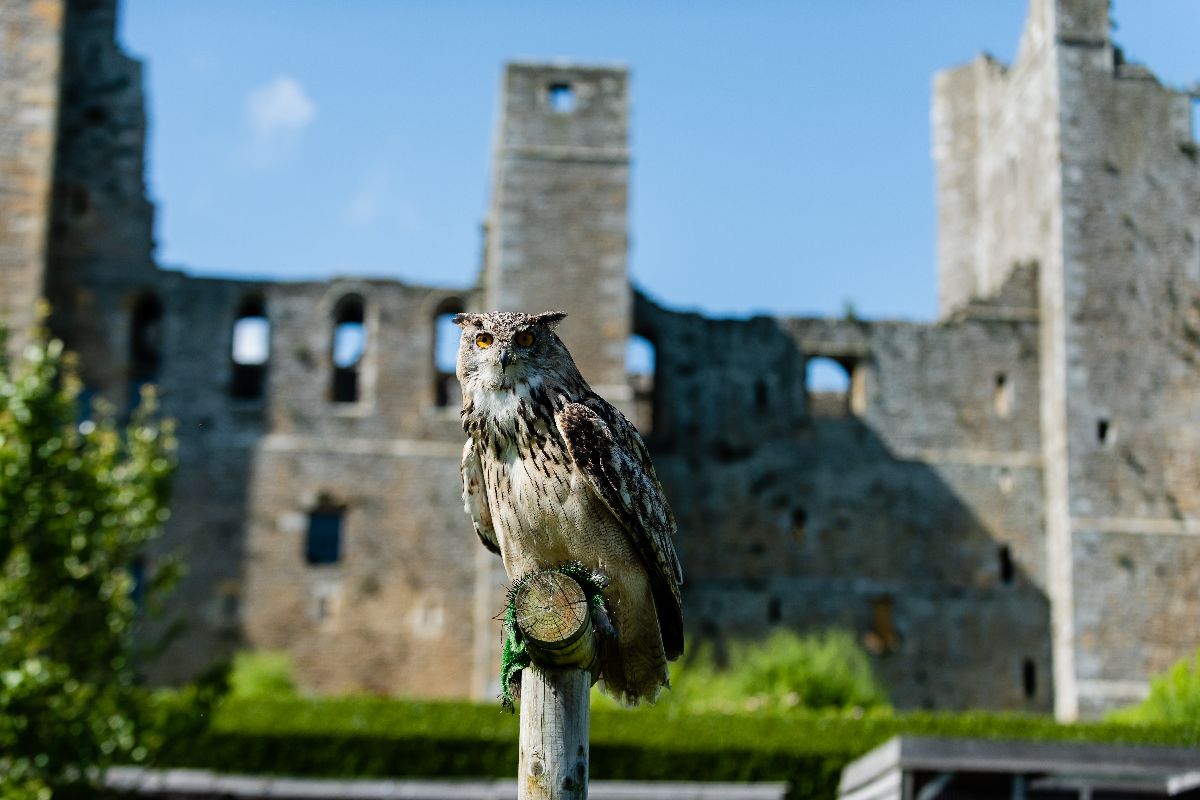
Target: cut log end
x,y
553,614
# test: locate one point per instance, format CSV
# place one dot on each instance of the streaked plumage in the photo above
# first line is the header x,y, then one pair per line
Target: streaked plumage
x,y
552,472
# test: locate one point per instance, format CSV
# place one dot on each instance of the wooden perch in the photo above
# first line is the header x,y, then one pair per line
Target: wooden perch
x,y
554,616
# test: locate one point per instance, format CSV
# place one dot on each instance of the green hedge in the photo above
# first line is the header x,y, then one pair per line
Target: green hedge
x,y
367,737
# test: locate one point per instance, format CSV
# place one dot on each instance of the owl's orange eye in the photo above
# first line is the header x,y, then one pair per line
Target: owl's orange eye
x,y
524,339
483,340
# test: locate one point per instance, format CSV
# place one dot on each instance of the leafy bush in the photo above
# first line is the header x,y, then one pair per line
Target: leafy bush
x,y
1174,696
77,504
785,671
262,673
827,670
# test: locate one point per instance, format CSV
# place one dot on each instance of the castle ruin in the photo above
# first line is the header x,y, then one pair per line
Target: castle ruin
x,y
1004,505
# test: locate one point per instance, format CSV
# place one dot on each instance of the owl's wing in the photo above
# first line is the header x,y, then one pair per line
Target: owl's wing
x,y
612,457
475,500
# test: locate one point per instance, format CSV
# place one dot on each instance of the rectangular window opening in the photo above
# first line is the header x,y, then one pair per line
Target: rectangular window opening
x,y
883,637
799,525
1006,565
1029,678
323,544
774,610
345,384
562,97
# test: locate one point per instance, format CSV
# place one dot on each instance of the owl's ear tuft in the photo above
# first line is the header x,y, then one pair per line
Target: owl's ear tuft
x,y
550,318
463,320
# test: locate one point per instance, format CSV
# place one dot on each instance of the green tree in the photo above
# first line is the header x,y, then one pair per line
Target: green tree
x,y
1174,695
78,503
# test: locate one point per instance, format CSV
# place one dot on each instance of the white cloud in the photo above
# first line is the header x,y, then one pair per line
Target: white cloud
x,y
277,113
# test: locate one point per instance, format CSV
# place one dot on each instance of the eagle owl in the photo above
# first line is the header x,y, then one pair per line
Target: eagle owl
x,y
553,473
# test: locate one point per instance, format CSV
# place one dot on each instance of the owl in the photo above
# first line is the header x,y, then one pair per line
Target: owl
x,y
554,473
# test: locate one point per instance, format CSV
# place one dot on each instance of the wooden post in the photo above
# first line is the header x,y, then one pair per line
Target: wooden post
x,y
553,615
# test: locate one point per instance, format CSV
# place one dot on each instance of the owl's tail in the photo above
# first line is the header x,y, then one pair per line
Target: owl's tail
x,y
633,666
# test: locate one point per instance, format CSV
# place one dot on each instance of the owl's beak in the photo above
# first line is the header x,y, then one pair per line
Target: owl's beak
x,y
506,358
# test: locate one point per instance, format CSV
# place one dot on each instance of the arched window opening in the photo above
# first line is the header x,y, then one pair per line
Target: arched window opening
x,y
641,364
831,386
446,391
251,349
349,346
323,541
145,345
1029,678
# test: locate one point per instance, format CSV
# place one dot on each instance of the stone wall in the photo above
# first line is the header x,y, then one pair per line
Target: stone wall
x,y
398,605
887,516
30,52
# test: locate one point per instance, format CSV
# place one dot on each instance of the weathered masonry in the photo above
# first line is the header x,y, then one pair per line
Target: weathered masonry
x,y
1004,504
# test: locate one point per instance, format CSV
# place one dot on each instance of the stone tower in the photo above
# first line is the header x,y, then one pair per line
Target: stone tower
x,y
557,227
1087,166
29,68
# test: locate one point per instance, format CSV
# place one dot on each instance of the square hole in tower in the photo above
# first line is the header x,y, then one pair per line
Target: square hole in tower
x,y
561,97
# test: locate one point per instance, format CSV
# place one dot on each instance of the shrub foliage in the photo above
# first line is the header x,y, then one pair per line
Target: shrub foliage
x,y
1174,696
77,504
785,671
261,673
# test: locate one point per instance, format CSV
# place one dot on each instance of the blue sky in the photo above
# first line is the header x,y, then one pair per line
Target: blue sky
x,y
781,150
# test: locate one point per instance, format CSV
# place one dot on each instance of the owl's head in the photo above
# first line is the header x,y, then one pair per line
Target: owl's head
x,y
504,349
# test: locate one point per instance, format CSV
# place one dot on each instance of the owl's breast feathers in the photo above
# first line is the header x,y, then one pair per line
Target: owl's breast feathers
x,y
614,461
610,457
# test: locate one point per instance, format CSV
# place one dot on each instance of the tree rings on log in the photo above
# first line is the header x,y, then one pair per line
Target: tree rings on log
x,y
552,612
